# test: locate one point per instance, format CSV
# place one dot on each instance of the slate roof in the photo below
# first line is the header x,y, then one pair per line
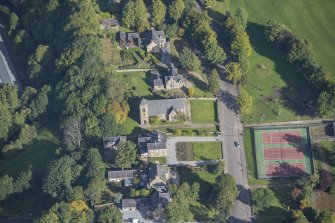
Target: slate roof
x,y
177,78
153,35
131,203
158,82
173,70
158,170
110,22
152,141
120,174
128,37
112,142
163,106
6,67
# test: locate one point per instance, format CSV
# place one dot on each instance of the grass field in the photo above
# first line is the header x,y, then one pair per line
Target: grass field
x,y
272,82
36,157
306,18
111,53
206,150
203,111
139,82
161,160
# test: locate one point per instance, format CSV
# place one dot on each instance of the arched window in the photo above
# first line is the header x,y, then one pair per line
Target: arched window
x,y
143,109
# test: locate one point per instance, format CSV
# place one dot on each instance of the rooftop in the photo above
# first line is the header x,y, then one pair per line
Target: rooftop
x,y
6,67
120,174
163,106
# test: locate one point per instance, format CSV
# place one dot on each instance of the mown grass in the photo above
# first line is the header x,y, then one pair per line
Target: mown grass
x,y
160,160
206,150
138,82
269,74
203,111
35,156
309,19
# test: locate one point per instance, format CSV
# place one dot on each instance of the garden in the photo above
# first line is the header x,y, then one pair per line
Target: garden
x,y
196,151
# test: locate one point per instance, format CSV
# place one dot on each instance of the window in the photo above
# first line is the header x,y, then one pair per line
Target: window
x,y
143,109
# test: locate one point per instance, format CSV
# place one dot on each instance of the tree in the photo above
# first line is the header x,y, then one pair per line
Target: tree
x,y
73,133
262,197
6,187
224,194
5,120
176,9
125,154
13,20
135,15
242,16
40,103
240,45
94,188
245,102
178,210
158,12
326,103
108,125
128,14
191,91
214,82
189,60
215,54
299,216
60,175
119,110
95,165
277,32
22,182
326,217
110,215
234,72
299,50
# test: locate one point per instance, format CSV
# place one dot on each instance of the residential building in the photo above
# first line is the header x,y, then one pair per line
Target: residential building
x,y
174,80
112,142
153,144
159,176
153,40
6,66
110,23
165,109
158,84
117,176
129,40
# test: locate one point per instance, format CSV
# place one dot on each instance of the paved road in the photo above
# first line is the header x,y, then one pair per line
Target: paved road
x,y
232,131
171,150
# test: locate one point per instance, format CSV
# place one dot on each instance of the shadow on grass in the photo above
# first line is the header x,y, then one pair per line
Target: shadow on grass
x,y
273,215
200,212
298,95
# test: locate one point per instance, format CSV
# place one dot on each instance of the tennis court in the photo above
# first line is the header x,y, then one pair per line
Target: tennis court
x,y
282,152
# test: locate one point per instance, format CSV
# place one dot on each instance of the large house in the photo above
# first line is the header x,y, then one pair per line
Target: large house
x,y
159,176
153,40
153,144
150,40
165,109
113,142
6,66
172,81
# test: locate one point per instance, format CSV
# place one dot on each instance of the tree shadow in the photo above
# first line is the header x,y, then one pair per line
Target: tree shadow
x,y
229,100
244,195
298,99
273,214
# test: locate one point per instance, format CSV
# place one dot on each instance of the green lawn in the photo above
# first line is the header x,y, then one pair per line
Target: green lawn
x,y
203,111
269,75
310,19
139,82
249,152
35,156
161,160
206,150
328,148
279,211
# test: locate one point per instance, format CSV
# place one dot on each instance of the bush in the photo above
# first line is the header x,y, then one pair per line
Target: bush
x,y
262,197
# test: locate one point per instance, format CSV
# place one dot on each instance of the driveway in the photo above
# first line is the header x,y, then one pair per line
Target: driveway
x,y
171,150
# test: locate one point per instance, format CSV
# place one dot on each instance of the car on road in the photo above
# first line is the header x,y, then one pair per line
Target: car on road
x,y
237,144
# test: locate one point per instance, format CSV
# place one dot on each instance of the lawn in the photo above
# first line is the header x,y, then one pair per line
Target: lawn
x,y
249,152
111,53
273,83
279,212
203,111
328,148
139,82
207,150
309,19
30,203
161,160
35,156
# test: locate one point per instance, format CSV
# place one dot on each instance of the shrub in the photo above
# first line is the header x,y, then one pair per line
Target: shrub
x,y
262,197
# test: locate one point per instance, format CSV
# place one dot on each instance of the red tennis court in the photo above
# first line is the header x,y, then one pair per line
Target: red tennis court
x,y
282,137
283,153
285,169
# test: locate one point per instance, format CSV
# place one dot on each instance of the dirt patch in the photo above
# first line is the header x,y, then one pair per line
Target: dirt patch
x,y
184,151
324,201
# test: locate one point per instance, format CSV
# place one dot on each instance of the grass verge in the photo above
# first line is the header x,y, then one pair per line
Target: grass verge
x,y
203,111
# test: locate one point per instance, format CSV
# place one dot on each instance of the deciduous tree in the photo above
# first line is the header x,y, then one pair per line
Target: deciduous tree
x,y
214,82
126,154
245,102
189,60
176,9
158,12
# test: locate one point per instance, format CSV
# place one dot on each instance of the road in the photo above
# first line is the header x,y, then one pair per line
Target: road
x,y
235,164
171,150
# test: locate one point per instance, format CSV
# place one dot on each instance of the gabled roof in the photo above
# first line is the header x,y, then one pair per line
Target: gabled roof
x,y
158,170
158,82
154,35
163,106
152,141
110,22
6,66
177,78
112,142
120,174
